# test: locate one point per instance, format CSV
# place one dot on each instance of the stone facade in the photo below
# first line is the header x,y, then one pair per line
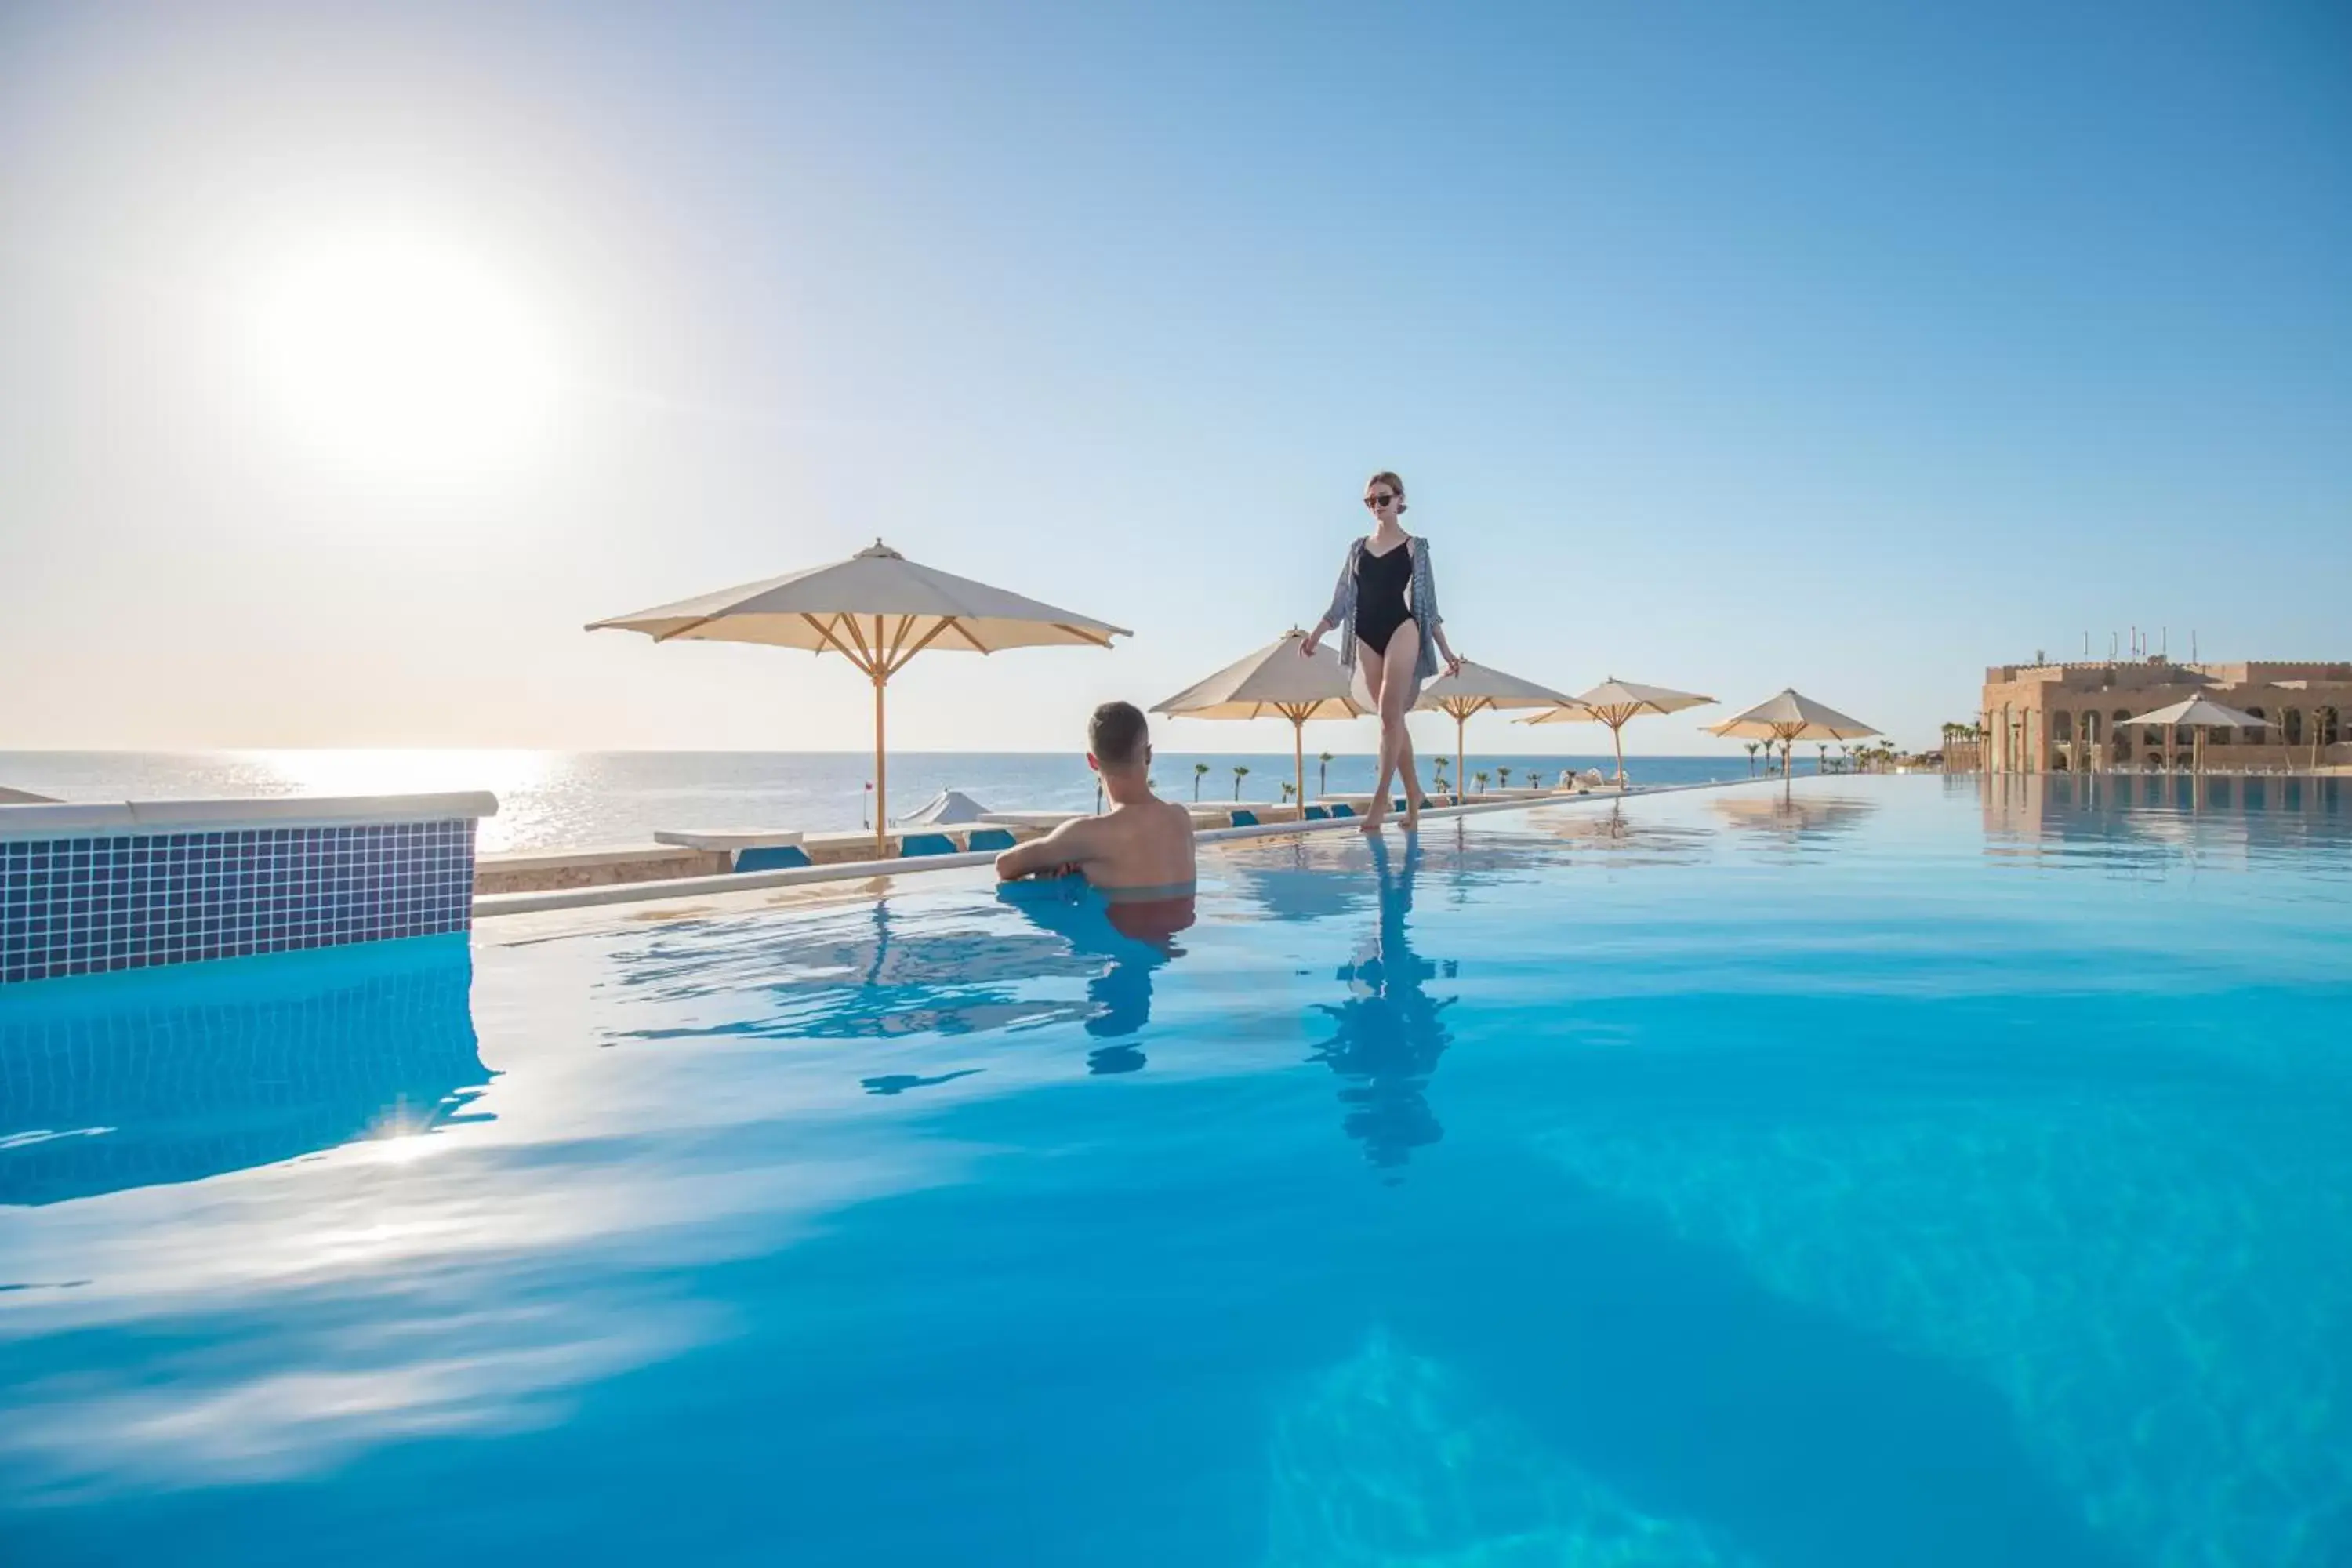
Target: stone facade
x,y
2069,718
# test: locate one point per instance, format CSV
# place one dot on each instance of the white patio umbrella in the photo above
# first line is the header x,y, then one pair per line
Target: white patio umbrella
x,y
950,807
877,610
1615,701
2201,713
1791,716
1274,681
1478,689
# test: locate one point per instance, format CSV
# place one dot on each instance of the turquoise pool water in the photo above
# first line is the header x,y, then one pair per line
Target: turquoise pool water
x,y
1904,1172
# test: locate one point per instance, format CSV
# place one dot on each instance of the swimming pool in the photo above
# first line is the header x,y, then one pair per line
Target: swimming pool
x,y
1910,1171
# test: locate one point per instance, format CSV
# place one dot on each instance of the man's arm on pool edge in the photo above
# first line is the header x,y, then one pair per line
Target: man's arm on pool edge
x,y
1062,849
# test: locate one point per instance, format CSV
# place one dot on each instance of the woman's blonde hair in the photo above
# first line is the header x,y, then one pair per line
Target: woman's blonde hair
x,y
1387,477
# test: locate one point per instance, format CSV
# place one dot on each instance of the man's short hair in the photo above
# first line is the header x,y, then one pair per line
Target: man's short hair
x,y
1118,735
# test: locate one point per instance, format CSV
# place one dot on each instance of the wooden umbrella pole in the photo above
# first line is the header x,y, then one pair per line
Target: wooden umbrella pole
x,y
1298,756
881,774
1617,733
1461,757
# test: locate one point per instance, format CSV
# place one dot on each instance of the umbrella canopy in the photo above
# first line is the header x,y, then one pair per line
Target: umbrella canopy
x,y
2201,713
879,610
1475,689
1274,681
1791,716
946,808
1614,702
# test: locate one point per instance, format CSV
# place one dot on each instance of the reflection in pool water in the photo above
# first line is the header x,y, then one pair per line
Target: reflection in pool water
x,y
179,1075
1388,1035
1132,941
1894,1175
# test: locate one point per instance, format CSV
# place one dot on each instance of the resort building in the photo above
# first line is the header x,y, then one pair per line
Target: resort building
x,y
2074,717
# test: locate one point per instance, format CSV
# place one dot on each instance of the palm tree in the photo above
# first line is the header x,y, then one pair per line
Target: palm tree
x,y
1481,777
1241,772
1751,759
1535,779
1323,773
1289,789
1824,745
1200,772
1504,774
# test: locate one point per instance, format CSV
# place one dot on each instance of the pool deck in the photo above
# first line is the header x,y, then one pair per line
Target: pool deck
x,y
492,906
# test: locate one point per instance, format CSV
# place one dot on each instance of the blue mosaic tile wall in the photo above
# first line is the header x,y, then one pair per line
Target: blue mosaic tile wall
x,y
85,906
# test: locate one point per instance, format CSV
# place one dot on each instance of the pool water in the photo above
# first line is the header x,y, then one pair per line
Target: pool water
x,y
1898,1172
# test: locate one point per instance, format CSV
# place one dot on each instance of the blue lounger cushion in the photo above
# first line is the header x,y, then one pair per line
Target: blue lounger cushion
x,y
770,857
928,843
1317,814
1245,819
991,838
1343,809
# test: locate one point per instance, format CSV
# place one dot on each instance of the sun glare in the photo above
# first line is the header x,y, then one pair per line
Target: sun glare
x,y
398,356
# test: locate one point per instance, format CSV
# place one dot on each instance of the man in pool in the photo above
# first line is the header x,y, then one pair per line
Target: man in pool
x,y
1138,853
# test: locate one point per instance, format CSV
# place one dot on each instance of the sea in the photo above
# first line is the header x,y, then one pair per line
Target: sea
x,y
551,800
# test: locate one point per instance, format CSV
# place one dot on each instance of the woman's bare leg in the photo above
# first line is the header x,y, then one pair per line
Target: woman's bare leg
x,y
1375,668
1410,773
1396,668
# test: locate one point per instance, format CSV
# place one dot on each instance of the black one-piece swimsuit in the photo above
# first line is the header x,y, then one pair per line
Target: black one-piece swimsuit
x,y
1380,584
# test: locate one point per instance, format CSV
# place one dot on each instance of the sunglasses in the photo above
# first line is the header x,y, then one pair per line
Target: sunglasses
x,y
1382,499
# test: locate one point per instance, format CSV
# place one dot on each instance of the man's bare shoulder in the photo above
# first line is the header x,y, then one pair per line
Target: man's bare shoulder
x,y
1177,825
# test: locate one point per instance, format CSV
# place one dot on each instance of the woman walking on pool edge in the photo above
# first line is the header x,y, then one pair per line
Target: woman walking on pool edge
x,y
1386,605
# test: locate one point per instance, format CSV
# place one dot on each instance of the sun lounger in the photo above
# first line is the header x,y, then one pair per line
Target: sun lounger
x,y
755,849
1046,821
1359,804
1220,814
1242,816
779,850
729,838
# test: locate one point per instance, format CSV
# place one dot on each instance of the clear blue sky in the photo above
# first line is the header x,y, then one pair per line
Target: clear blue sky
x,y
1852,347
